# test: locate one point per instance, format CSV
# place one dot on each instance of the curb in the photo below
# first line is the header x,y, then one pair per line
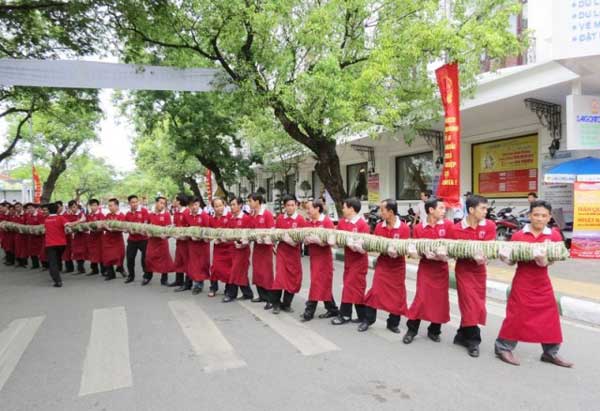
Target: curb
x,y
568,307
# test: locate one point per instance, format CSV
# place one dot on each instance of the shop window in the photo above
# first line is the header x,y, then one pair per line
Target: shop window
x,y
414,173
356,181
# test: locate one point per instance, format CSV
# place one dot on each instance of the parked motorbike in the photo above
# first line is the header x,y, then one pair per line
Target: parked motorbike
x,y
507,224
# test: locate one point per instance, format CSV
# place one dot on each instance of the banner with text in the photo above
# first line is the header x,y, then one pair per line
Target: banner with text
x,y
449,184
586,222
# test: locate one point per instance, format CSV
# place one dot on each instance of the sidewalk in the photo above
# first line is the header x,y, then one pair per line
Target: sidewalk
x,y
576,284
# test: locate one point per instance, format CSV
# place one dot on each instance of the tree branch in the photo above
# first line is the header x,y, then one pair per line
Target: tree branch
x,y
9,150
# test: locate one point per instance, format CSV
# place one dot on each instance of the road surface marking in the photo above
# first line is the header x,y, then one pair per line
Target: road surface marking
x,y
209,344
14,340
106,366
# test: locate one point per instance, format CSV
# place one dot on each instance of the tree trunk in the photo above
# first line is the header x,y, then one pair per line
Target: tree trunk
x,y
216,171
191,181
328,170
57,167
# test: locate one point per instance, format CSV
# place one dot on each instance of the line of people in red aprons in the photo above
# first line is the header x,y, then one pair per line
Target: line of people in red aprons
x,y
532,313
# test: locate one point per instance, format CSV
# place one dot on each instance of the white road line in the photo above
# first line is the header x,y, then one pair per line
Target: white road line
x,y
307,341
14,340
107,366
210,345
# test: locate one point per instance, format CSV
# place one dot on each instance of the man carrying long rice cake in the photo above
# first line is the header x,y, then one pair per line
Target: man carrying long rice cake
x,y
431,302
356,264
471,274
531,311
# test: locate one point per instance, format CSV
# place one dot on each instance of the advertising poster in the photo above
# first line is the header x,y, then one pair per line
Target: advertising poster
x,y
373,187
506,168
586,221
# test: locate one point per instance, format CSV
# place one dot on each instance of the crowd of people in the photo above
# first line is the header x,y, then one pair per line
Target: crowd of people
x,y
531,315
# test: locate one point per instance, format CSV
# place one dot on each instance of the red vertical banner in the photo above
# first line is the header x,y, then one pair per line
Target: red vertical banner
x,y
37,185
209,185
449,185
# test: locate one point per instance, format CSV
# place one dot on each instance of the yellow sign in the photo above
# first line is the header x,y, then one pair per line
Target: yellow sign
x,y
506,168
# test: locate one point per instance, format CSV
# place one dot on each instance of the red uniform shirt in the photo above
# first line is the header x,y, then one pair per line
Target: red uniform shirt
x,y
356,264
55,231
140,216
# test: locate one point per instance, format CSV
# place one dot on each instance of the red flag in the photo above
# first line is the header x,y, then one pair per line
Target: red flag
x,y
449,185
209,185
37,186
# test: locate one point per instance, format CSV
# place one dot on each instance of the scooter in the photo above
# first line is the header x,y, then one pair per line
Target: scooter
x,y
506,224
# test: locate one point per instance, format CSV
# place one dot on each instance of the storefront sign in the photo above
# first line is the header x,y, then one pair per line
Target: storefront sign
x,y
373,187
449,184
575,28
586,223
506,168
583,122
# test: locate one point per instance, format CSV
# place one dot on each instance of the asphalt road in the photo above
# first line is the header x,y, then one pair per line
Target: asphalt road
x,y
96,345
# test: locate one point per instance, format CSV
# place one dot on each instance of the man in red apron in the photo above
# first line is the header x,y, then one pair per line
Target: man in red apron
x,y
113,246
221,259
471,274
135,241
356,265
531,311
388,291
33,218
240,255
78,239
158,256
198,249
321,265
94,245
180,212
431,301
288,259
262,252
8,240
20,239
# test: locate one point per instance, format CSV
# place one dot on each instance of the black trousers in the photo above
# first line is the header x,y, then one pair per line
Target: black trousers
x,y
277,301
164,277
434,328
35,261
110,271
231,290
263,293
371,315
214,286
81,266
10,258
346,310
131,252
54,258
69,266
94,267
311,307
471,335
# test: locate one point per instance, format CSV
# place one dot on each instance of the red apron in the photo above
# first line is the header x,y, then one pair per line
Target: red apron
x,y
431,302
21,246
94,239
531,311
240,257
321,265
181,246
470,276
158,256
9,236
78,242
221,263
198,251
262,254
388,291
288,259
356,264
113,246
36,242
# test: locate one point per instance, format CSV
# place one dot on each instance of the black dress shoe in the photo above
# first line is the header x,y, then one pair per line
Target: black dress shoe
x,y
473,351
258,300
409,337
128,280
109,277
268,306
146,281
395,329
276,309
228,299
57,285
196,290
434,337
305,317
181,288
174,284
363,326
339,320
328,314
